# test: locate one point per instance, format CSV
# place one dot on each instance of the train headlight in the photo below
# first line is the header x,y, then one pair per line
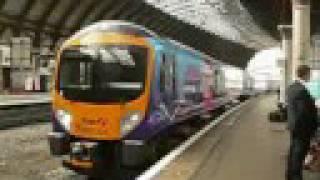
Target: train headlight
x,y
64,119
130,122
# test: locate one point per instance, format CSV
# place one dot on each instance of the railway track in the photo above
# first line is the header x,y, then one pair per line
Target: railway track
x,y
20,115
29,144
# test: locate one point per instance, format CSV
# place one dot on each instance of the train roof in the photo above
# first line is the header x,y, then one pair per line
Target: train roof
x,y
121,27
128,28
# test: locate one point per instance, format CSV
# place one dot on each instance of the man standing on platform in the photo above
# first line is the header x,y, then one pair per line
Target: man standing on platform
x,y
302,122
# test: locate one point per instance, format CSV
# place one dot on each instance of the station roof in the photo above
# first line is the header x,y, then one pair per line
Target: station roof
x,y
270,13
212,33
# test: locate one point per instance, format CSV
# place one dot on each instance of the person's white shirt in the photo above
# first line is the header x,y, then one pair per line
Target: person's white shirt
x,y
303,82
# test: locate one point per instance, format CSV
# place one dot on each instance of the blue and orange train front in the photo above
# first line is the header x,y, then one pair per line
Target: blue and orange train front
x,y
102,93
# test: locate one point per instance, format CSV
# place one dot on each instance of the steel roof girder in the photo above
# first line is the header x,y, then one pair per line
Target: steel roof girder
x,y
107,7
150,19
123,9
22,16
157,23
89,10
115,9
133,11
66,14
139,16
47,12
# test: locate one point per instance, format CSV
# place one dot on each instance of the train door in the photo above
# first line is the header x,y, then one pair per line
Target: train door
x,y
168,80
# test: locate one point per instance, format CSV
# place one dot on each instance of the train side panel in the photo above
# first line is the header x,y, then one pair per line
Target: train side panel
x,y
184,85
157,117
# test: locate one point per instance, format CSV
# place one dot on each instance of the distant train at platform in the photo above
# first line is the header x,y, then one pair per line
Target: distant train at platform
x,y
120,87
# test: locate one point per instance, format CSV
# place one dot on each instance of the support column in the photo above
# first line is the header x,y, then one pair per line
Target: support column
x,y
285,61
301,33
246,81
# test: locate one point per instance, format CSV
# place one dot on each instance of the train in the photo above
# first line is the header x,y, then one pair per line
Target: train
x,y
119,86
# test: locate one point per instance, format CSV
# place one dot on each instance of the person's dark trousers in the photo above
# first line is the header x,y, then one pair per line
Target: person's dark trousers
x,y
298,149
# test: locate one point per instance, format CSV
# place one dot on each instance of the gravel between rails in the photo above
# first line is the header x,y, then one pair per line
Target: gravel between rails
x,y
24,155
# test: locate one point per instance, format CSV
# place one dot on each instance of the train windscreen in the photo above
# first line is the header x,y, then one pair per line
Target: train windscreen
x,y
103,74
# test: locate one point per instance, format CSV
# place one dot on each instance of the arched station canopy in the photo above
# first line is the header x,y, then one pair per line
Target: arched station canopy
x,y
270,13
61,18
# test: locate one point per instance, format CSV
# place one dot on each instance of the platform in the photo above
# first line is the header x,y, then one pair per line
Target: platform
x,y
28,99
245,147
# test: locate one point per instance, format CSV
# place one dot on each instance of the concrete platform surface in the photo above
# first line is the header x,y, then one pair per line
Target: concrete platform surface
x,y
245,147
7,100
